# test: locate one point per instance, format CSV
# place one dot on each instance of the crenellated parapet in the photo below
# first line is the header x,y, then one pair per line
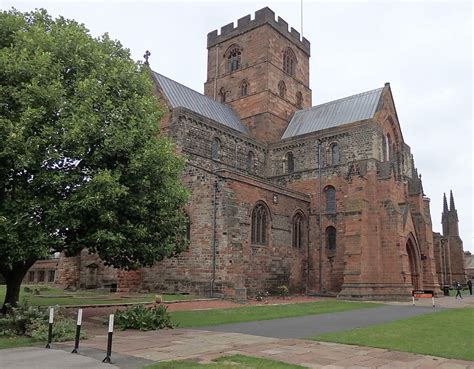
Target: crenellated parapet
x,y
262,16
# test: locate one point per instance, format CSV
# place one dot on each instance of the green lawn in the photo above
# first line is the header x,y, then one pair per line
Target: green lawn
x,y
201,318
227,362
50,296
11,342
448,333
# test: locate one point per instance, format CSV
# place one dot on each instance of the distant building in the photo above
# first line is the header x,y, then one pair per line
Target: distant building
x,y
323,199
469,264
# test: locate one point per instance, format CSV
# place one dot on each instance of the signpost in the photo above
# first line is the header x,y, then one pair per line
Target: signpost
x,y
423,294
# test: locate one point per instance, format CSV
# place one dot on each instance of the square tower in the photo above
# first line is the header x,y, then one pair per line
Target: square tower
x,y
260,69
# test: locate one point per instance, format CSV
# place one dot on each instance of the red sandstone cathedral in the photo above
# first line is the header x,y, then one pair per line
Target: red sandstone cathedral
x,y
323,199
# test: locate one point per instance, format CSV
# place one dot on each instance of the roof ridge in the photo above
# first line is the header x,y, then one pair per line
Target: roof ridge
x,y
190,89
342,99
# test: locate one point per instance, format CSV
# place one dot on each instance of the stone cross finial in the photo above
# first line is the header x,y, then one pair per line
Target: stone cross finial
x,y
146,56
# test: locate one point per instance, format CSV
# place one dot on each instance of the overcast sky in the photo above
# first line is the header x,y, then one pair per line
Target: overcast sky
x,y
424,49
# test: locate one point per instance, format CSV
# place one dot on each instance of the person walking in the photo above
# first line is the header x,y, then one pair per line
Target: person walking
x,y
469,285
458,289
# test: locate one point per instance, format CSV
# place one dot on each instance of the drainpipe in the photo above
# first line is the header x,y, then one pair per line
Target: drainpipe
x,y
214,213
320,251
307,251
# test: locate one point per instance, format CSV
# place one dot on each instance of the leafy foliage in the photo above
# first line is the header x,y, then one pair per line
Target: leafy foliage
x,y
28,321
145,319
82,163
282,291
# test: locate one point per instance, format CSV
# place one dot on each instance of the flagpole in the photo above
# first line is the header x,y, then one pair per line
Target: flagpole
x,y
301,7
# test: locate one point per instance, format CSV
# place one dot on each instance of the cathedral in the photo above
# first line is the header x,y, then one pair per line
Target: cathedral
x,y
323,199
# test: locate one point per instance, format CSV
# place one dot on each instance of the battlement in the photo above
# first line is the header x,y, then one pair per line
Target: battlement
x,y
262,16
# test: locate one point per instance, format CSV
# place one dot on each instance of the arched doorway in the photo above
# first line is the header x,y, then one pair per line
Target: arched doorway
x,y
414,261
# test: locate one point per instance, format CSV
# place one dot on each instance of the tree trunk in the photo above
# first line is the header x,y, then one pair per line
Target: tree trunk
x,y
13,278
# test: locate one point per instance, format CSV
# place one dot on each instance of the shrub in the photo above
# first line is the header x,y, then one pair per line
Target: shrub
x,y
144,319
64,329
30,321
262,296
282,291
18,319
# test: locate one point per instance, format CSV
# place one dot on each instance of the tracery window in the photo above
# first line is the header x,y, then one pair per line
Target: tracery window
x,y
290,162
233,58
244,88
297,231
335,154
215,146
331,239
330,193
282,89
299,99
289,61
250,162
259,224
384,148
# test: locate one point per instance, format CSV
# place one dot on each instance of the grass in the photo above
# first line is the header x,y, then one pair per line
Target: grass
x,y
11,342
50,296
448,334
202,318
227,362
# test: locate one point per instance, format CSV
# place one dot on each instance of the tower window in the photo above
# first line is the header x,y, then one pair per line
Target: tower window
x,y
282,89
299,100
289,61
215,146
259,225
244,88
330,199
233,58
222,95
290,162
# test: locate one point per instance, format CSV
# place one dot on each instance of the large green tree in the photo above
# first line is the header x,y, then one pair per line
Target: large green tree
x,y
82,164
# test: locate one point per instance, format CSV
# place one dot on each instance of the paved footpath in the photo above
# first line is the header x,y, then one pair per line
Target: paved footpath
x,y
312,325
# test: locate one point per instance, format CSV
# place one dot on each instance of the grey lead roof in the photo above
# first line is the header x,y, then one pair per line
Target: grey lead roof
x,y
334,113
179,95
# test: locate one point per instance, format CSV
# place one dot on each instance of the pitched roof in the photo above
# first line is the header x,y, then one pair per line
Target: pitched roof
x,y
334,113
179,95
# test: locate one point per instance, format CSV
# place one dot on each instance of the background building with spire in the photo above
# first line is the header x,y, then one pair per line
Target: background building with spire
x,y
448,247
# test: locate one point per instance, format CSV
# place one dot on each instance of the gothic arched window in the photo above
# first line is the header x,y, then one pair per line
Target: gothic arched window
x,y
233,58
335,154
188,227
289,61
331,239
250,162
389,147
215,146
259,224
299,99
282,89
384,148
297,231
290,162
244,88
330,199
222,95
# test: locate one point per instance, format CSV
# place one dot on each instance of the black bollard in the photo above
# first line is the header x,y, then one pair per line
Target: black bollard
x,y
109,339
50,328
78,331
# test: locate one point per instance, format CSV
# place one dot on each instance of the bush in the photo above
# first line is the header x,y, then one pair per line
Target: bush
x,y
144,319
282,291
30,321
64,329
18,319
